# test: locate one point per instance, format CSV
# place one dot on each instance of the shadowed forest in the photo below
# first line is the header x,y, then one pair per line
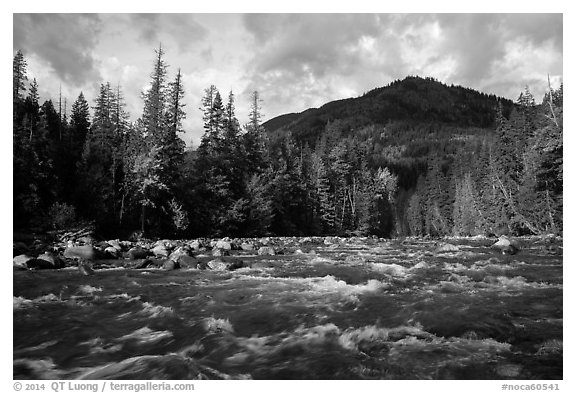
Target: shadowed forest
x,y
414,158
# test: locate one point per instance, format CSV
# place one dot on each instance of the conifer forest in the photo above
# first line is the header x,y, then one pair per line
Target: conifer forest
x,y
413,158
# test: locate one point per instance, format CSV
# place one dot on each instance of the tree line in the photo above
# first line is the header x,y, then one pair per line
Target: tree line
x,y
404,178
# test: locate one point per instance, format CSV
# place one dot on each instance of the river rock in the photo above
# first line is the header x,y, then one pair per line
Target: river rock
x,y
266,251
223,244
195,245
186,261
21,260
145,264
86,252
115,243
137,253
328,241
446,247
506,246
217,264
220,252
421,265
236,264
52,259
247,246
41,263
181,251
112,252
170,265
167,244
102,245
160,251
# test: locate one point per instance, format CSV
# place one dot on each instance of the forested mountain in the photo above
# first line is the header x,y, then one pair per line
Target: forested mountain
x,y
413,99
415,157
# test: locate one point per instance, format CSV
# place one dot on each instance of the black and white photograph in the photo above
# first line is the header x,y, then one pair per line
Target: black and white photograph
x,y
287,196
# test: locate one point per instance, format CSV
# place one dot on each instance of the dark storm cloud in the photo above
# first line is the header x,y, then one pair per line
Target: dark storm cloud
x,y
64,41
179,28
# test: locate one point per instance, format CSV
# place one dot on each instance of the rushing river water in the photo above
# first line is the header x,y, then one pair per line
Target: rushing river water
x,y
358,310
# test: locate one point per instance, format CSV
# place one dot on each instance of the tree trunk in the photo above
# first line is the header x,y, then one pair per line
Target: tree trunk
x,y
143,218
122,208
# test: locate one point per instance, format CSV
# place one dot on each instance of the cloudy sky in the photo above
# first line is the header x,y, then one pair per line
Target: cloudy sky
x,y
295,61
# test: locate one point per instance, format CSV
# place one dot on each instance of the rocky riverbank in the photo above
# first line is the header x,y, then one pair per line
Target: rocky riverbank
x,y
87,253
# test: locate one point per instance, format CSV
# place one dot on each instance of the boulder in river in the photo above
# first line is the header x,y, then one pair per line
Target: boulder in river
x,y
220,264
220,252
145,264
160,251
52,259
266,251
137,253
223,244
217,264
115,243
236,264
186,261
195,244
167,244
181,251
247,246
38,263
506,246
21,260
86,253
170,265
446,247
112,252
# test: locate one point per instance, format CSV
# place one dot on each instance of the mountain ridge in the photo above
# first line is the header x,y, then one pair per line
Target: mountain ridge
x,y
412,99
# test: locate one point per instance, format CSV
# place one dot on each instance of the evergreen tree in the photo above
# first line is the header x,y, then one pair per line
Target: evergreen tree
x,y
19,76
325,204
467,216
254,140
414,212
255,110
386,188
211,138
437,205
79,122
155,102
147,182
172,147
175,109
259,210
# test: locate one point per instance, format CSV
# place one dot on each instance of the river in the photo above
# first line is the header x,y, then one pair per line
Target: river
x,y
350,310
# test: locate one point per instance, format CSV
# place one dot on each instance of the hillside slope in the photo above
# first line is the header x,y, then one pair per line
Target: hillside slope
x,y
413,99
